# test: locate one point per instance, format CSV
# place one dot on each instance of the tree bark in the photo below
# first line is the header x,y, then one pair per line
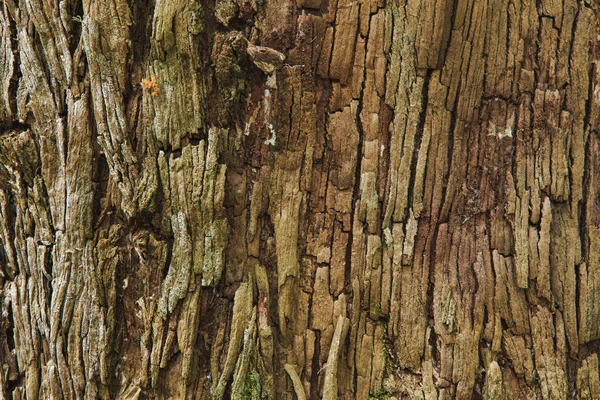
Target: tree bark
x,y
299,199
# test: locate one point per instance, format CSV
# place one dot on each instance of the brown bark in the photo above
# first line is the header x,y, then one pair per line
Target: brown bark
x,y
310,199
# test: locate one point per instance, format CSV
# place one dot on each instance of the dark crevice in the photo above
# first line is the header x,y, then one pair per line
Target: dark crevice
x,y
170,246
55,92
9,330
509,28
3,260
582,207
518,142
313,274
13,84
7,324
76,26
588,162
552,18
333,26
436,357
443,217
356,190
449,28
582,210
570,53
419,135
142,14
588,103
311,11
100,177
315,368
536,44
175,154
361,138
192,139
348,263
46,195
290,113
507,100
7,127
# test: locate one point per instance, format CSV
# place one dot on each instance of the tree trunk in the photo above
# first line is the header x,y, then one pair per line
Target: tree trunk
x,y
299,199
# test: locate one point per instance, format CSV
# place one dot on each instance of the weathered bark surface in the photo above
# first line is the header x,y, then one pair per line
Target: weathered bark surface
x,y
406,206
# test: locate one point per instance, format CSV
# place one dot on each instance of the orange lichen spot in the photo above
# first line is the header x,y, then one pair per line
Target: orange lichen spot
x,y
151,85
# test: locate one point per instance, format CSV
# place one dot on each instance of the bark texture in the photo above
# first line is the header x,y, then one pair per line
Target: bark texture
x,y
299,199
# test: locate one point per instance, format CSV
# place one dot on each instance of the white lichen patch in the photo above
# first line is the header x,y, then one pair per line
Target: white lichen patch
x,y
271,81
500,132
271,140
